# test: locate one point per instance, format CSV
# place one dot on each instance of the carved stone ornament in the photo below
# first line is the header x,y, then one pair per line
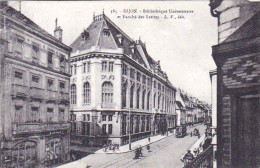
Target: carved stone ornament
x,y
112,77
144,87
103,76
132,83
124,80
74,80
138,86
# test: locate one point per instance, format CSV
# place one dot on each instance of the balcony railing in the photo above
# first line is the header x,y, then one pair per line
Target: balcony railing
x,y
23,128
51,95
37,93
63,96
108,105
19,91
204,159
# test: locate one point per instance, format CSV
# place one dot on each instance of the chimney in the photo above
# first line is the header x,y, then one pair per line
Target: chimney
x,y
57,31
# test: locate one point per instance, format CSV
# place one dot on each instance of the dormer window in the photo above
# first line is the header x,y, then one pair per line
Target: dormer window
x,y
84,35
119,37
132,47
106,32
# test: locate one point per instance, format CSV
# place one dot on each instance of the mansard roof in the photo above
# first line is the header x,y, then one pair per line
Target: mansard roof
x,y
21,19
104,35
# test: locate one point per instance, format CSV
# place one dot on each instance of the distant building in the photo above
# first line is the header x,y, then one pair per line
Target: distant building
x,y
238,82
180,109
117,88
34,93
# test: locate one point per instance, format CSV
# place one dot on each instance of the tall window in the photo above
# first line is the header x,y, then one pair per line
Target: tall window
x,y
50,114
124,90
50,85
124,69
62,63
110,128
34,117
159,101
163,103
132,96
73,92
50,59
107,92
138,76
86,92
104,65
111,67
75,69
138,98
18,113
143,99
104,129
35,53
148,100
154,100
61,114
132,73
19,47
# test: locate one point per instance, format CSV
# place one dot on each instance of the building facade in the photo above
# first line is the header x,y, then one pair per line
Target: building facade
x,y
117,89
238,82
34,93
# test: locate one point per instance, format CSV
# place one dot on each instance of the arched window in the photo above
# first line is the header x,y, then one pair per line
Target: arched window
x,y
124,90
132,96
73,94
143,99
86,93
148,100
107,92
138,98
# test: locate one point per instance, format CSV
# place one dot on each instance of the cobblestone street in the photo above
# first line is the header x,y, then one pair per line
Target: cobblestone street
x,y
164,153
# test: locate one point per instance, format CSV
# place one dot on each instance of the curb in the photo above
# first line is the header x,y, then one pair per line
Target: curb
x,y
134,149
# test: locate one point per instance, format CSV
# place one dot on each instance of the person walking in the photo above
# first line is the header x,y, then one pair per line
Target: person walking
x,y
140,151
148,148
149,139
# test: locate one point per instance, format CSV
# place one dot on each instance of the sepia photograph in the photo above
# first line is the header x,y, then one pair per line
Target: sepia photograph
x,y
130,84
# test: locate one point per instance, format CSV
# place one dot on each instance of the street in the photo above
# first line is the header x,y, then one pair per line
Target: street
x,y
164,153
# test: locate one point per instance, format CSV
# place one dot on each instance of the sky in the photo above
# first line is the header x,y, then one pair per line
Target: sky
x,y
183,46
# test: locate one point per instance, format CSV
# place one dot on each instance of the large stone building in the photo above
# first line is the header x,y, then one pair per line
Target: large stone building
x,y
117,88
34,93
238,82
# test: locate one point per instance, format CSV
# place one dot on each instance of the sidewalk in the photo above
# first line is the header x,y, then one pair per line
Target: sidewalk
x,y
134,145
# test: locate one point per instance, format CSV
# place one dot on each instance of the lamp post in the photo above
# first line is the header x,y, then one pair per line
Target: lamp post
x,y
129,130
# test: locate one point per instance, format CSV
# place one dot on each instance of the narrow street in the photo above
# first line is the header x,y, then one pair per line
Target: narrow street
x,y
164,153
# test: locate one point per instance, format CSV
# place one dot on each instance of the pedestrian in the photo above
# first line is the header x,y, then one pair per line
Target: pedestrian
x,y
136,153
198,135
195,151
114,148
105,147
148,148
191,134
140,151
149,139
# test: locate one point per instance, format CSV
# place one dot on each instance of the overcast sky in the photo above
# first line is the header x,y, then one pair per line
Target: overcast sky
x,y
183,46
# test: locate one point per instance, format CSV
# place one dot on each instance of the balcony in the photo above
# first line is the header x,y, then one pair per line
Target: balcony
x,y
63,97
25,128
19,91
204,159
36,93
108,105
51,95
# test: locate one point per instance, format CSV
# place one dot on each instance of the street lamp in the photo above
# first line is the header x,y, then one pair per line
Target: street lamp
x,y
129,130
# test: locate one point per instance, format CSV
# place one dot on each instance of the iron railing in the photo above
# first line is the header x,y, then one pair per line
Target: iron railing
x,y
203,160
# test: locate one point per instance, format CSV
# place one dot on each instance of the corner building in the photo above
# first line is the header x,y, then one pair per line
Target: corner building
x,y
117,88
34,93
